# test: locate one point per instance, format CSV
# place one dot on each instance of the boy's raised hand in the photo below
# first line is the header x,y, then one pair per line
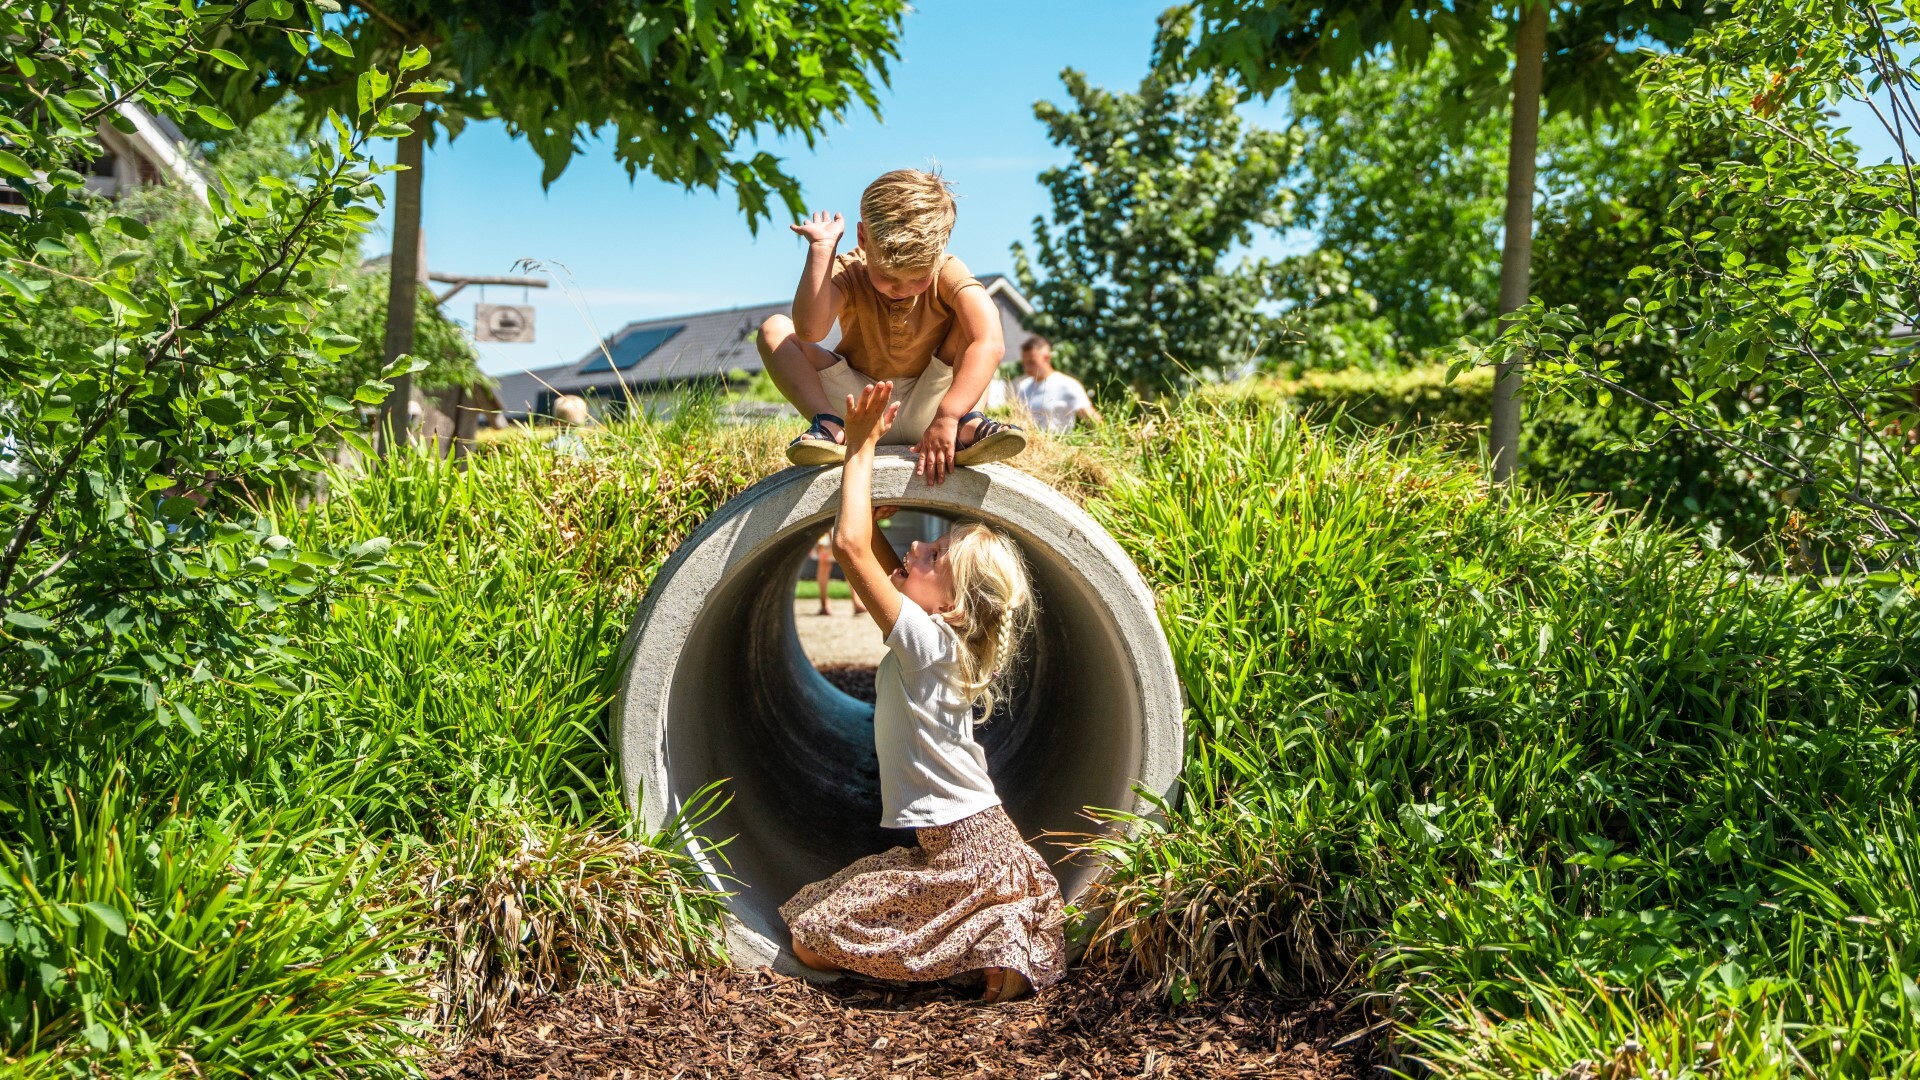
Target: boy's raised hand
x,y
822,228
869,414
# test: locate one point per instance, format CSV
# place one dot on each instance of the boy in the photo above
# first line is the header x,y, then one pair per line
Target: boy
x,y
908,312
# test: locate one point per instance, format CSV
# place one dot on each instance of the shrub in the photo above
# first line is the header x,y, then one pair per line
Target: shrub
x,y
1417,397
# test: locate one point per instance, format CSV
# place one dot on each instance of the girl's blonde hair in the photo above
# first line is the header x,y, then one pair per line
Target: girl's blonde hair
x,y
992,608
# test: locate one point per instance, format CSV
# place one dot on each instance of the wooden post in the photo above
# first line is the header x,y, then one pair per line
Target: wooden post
x,y
405,269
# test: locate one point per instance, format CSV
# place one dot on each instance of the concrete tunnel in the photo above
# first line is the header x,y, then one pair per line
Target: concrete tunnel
x,y
717,688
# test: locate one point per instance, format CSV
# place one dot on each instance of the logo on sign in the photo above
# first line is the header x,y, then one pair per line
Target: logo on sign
x,y
502,322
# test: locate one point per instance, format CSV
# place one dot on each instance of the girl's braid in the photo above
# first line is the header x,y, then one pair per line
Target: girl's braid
x,y
1002,643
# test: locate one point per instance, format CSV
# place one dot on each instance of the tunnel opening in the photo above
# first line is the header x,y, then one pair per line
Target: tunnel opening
x,y
837,636
729,697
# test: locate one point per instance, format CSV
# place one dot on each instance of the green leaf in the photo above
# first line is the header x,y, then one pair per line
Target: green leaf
x,y
26,620
337,403
120,296
13,164
213,116
222,411
131,227
19,287
109,917
228,59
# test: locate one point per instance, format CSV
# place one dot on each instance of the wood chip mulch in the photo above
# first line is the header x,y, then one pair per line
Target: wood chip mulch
x,y
853,680
753,1024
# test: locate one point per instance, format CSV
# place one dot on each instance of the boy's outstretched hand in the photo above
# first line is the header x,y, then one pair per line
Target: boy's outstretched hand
x,y
822,228
869,414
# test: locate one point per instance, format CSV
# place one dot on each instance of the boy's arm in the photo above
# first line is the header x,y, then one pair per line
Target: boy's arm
x,y
816,302
868,415
980,322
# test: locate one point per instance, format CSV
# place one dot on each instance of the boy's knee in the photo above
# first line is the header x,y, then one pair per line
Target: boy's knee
x,y
774,332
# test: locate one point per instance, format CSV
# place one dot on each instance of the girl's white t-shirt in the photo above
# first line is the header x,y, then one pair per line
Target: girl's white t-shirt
x,y
931,770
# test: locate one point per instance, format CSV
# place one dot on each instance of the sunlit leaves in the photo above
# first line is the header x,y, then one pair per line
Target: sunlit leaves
x,y
1132,275
153,401
681,88
1795,363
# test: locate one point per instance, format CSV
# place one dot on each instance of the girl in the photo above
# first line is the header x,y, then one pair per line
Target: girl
x,y
971,896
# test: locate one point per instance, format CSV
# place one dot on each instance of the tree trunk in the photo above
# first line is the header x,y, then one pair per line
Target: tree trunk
x,y
403,282
1529,51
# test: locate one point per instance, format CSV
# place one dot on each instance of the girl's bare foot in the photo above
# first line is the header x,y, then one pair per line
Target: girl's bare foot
x,y
1004,984
812,959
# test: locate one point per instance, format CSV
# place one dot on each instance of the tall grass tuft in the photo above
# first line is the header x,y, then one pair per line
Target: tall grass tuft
x,y
411,815
1484,748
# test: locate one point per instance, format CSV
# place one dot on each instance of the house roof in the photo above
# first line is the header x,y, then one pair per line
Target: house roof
x,y
680,348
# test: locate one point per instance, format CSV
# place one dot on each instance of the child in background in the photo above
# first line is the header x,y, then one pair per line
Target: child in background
x,y
823,574
971,895
909,313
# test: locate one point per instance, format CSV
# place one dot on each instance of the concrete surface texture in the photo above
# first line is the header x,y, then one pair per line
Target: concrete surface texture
x,y
717,689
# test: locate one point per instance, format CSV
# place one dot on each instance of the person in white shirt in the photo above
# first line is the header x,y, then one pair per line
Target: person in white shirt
x,y
971,895
1054,398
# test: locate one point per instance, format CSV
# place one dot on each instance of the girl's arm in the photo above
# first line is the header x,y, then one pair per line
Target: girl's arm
x,y
883,547
868,416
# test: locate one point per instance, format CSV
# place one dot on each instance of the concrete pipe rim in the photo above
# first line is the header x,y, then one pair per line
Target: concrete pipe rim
x,y
709,601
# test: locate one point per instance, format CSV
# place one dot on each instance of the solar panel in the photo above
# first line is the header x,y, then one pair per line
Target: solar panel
x,y
632,349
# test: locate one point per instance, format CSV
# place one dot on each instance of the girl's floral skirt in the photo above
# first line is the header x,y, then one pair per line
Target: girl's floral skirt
x,y
971,895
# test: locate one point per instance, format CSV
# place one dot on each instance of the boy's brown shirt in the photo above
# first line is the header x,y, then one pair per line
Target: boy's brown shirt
x,y
884,338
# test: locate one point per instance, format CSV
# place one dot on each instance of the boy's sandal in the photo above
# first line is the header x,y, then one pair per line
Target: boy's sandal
x,y
815,446
992,441
1012,984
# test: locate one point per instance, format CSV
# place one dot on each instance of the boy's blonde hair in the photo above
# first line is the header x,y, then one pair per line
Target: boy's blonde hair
x,y
992,607
909,217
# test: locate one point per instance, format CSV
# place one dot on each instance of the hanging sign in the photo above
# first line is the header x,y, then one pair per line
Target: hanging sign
x,y
503,322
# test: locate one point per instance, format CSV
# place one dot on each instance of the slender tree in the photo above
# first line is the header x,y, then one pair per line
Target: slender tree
x,y
680,85
1577,55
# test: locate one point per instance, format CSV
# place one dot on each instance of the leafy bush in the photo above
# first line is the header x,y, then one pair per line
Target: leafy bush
x,y
1470,750
1415,397
341,830
1794,365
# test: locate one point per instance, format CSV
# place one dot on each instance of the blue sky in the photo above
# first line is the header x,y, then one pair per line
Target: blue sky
x,y
962,94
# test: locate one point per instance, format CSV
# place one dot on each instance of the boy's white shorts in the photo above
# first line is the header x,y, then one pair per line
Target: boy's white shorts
x,y
919,397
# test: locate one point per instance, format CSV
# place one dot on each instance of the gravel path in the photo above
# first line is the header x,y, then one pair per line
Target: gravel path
x,y
840,639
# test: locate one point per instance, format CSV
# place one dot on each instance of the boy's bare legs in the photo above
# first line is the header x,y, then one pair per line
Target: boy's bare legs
x,y
795,367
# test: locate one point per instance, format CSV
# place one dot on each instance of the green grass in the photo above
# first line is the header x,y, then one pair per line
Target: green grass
x,y
809,589
1540,774
1571,794
280,893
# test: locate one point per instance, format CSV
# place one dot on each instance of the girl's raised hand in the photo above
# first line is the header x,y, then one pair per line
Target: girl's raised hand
x,y
869,414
